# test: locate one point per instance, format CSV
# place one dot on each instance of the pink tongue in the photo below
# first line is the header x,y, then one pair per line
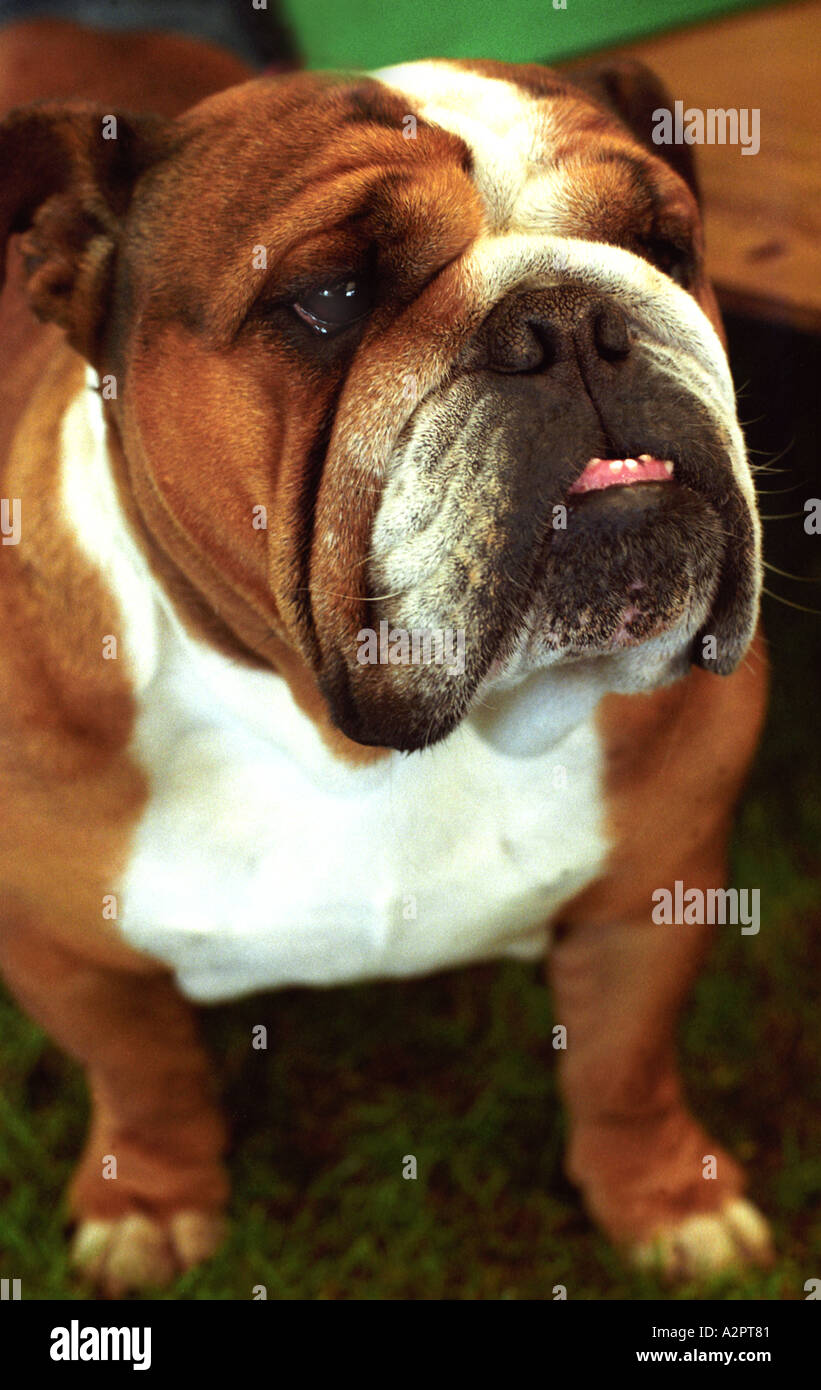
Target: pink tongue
x,y
601,473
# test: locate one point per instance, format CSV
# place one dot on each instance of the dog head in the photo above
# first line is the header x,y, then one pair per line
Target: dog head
x,y
427,350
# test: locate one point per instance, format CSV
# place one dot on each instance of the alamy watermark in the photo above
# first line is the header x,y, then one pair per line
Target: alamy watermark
x,y
715,126
698,907
415,646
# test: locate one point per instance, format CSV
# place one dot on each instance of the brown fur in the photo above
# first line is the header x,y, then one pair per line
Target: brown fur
x,y
675,763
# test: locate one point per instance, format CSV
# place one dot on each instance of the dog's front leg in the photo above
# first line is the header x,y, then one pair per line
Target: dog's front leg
x,y
651,1176
150,1189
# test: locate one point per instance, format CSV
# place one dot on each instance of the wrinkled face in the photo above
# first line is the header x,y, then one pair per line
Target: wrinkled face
x,y
449,327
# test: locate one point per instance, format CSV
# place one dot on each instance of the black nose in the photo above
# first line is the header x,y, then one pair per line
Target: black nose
x,y
531,331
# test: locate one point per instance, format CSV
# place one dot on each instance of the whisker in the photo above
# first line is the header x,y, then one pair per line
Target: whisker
x,y
802,608
776,458
785,574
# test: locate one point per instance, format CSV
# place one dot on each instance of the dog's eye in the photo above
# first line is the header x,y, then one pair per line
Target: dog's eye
x,y
675,261
335,306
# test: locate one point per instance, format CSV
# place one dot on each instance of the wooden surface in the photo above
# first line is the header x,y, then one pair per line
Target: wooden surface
x,y
763,211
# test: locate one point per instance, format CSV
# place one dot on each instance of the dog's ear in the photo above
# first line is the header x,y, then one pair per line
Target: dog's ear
x,y
67,175
633,93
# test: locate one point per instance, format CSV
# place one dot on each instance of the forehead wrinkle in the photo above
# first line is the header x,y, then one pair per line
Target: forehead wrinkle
x,y
587,194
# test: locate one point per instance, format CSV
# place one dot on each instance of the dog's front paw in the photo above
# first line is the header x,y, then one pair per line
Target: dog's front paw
x,y
708,1243
134,1252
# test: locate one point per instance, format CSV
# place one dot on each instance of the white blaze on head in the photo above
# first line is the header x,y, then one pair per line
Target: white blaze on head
x,y
506,130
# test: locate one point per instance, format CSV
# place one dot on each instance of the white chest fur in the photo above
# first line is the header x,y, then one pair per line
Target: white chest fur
x,y
261,860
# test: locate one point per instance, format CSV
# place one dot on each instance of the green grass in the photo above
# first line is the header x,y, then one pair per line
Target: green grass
x,y
459,1071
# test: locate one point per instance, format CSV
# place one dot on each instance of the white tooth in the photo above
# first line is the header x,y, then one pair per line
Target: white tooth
x,y
668,467
616,465
631,464
594,461
645,458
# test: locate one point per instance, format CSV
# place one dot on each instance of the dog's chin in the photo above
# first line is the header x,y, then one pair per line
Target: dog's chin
x,y
528,700
615,603
529,696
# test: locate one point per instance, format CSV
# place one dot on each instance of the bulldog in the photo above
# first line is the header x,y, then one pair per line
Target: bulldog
x,y
301,369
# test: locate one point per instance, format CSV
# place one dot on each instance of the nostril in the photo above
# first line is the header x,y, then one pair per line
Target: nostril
x,y
523,345
610,334
549,338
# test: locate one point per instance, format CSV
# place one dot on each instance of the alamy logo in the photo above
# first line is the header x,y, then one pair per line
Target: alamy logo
x,y
76,1343
415,646
715,126
693,906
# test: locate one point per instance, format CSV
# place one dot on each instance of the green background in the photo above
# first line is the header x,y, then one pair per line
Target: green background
x,y
371,33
